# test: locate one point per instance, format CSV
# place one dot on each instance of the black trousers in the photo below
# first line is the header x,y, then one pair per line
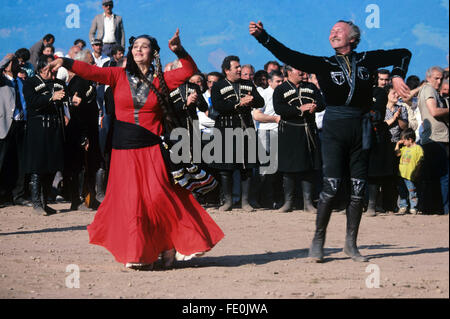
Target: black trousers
x,y
342,149
12,155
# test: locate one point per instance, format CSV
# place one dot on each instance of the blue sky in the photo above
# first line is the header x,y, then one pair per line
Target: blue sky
x,y
212,29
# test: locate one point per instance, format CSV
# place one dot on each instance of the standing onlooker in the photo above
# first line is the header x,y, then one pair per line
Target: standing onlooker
x,y
234,98
37,48
396,115
48,50
80,43
383,78
396,119
434,133
414,120
296,100
24,56
261,79
88,113
107,27
63,74
443,92
267,132
248,72
97,53
12,131
411,156
271,66
44,137
117,53
381,164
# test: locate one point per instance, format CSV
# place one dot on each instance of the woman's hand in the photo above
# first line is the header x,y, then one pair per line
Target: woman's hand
x,y
174,42
54,65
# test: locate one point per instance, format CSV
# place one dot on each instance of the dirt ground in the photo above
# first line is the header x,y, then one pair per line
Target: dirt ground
x,y
263,256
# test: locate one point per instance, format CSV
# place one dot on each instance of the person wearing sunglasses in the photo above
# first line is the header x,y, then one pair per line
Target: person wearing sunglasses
x,y
107,27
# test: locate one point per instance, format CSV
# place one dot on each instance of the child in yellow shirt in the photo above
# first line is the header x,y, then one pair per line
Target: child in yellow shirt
x,y
411,156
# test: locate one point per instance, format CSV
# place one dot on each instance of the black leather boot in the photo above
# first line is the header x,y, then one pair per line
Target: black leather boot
x,y
354,212
288,188
245,186
324,209
46,182
35,190
371,207
226,181
100,181
308,206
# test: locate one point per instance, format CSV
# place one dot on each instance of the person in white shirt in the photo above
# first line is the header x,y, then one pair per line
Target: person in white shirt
x,y
267,132
107,27
99,58
206,119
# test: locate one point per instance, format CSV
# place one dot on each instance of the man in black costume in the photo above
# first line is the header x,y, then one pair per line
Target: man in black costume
x,y
85,112
296,101
44,140
346,82
233,98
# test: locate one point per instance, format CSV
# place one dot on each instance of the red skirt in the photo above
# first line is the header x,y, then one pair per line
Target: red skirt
x,y
144,213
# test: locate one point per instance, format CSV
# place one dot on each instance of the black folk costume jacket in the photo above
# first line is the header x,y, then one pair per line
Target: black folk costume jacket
x,y
298,142
226,98
44,141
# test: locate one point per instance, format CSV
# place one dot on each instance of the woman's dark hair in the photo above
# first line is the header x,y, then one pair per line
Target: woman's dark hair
x,y
23,54
169,118
226,64
43,61
49,46
408,134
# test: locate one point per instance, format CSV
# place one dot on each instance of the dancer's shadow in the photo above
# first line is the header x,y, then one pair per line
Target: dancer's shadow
x,y
391,253
408,253
253,259
46,230
265,258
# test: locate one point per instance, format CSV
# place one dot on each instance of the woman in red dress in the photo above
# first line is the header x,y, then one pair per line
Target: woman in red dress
x,y
144,214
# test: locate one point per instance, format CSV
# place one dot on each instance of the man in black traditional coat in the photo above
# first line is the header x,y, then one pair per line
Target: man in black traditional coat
x,y
234,98
296,101
346,82
44,141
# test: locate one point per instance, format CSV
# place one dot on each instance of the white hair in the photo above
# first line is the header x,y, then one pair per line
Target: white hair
x,y
81,56
434,68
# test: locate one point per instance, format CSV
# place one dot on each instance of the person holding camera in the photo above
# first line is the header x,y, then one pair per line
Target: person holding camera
x,y
44,140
